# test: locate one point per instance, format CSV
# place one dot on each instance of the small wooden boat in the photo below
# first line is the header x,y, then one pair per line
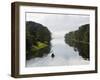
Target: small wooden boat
x,y
52,55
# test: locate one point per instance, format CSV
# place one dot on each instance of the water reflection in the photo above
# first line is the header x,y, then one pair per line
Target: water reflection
x,y
82,48
63,55
39,53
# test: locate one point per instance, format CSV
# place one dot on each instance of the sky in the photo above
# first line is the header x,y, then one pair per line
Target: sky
x,y
59,24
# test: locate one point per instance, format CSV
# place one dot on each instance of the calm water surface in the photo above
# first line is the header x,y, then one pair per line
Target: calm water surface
x,y
64,55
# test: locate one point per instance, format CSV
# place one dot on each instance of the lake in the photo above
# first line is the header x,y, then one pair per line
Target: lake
x,y
64,55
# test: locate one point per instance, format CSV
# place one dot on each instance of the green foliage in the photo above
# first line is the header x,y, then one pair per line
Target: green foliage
x,y
80,35
37,37
40,45
80,40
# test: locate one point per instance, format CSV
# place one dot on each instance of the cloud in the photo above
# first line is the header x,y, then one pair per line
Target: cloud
x,y
56,22
59,34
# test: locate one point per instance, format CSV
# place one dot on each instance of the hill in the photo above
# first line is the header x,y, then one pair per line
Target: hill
x,y
38,39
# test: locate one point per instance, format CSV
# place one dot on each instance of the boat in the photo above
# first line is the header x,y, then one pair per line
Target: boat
x,y
52,55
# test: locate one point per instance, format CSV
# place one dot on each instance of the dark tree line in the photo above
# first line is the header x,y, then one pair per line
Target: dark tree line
x,y
80,40
82,34
38,39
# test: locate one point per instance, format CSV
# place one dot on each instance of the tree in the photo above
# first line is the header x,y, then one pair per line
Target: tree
x,y
38,39
79,39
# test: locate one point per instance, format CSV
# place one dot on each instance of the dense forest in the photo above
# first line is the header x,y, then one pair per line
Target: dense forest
x,y
38,39
79,39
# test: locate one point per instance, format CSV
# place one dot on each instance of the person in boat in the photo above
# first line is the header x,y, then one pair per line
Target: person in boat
x,y
52,55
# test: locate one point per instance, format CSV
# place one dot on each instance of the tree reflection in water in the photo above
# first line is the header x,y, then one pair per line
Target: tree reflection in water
x,y
82,48
79,39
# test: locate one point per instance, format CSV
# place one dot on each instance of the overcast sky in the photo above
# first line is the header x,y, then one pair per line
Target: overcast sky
x,y
59,24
